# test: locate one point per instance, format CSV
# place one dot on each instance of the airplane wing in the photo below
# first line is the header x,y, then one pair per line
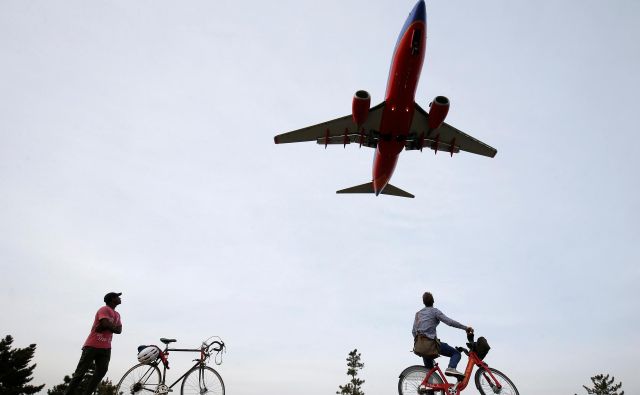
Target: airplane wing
x,y
338,131
445,138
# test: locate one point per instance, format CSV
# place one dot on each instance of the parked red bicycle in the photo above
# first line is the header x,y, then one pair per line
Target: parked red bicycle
x,y
418,379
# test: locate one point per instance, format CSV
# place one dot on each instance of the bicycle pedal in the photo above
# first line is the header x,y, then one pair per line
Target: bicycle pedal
x,y
162,389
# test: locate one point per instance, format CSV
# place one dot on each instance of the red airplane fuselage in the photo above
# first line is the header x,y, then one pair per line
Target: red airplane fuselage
x,y
398,111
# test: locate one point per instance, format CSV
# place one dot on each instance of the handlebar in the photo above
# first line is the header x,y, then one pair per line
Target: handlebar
x,y
219,346
470,344
216,345
462,349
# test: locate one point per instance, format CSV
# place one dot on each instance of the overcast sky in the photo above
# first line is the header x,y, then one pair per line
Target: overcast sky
x,y
137,155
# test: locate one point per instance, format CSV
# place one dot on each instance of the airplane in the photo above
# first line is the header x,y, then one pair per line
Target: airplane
x,y
398,122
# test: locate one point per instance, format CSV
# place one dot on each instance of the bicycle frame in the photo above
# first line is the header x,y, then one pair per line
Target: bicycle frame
x,y
449,388
146,376
165,363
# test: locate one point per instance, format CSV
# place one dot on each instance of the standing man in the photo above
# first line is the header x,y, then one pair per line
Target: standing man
x,y
97,347
425,324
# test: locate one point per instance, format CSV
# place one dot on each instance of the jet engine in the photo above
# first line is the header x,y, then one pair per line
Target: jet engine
x,y
360,107
438,112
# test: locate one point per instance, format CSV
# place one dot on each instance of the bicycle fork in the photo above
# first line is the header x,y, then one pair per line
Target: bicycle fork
x,y
493,383
201,384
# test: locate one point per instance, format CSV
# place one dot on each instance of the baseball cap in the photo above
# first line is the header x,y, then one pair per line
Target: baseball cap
x,y
111,295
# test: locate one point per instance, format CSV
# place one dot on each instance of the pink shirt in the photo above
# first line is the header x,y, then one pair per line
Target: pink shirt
x,y
102,339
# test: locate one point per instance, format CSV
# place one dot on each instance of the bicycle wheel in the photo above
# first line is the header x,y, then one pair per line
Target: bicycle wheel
x,y
140,379
202,380
412,377
486,386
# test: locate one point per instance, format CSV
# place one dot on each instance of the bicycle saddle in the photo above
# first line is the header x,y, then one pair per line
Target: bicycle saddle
x,y
167,341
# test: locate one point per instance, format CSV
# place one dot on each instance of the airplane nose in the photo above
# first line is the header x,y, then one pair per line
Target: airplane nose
x,y
419,12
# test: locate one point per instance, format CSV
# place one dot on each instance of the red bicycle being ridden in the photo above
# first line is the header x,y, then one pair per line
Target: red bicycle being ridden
x,y
419,380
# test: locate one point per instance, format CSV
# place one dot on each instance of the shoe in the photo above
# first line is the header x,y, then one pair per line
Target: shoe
x,y
453,372
425,391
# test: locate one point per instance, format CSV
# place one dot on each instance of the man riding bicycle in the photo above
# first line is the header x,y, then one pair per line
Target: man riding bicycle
x,y
425,324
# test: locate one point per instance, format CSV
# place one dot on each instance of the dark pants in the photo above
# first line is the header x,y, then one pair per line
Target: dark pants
x,y
447,351
101,357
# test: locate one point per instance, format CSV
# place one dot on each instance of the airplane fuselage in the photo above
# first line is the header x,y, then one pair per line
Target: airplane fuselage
x,y
397,115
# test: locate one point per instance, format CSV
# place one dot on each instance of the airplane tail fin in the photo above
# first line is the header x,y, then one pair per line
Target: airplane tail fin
x,y
368,188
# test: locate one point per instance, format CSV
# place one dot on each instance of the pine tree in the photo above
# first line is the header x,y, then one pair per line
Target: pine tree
x,y
15,372
106,387
354,386
602,385
60,389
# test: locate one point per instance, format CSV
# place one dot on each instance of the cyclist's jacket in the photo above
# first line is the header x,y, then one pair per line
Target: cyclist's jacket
x,y
428,319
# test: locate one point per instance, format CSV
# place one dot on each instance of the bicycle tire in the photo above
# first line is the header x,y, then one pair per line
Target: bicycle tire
x,y
484,386
411,378
211,380
136,380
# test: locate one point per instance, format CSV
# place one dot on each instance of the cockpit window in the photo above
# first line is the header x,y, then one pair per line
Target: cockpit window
x,y
416,39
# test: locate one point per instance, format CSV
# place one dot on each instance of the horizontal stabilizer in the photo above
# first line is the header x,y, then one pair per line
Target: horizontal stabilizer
x,y
364,188
395,191
368,188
